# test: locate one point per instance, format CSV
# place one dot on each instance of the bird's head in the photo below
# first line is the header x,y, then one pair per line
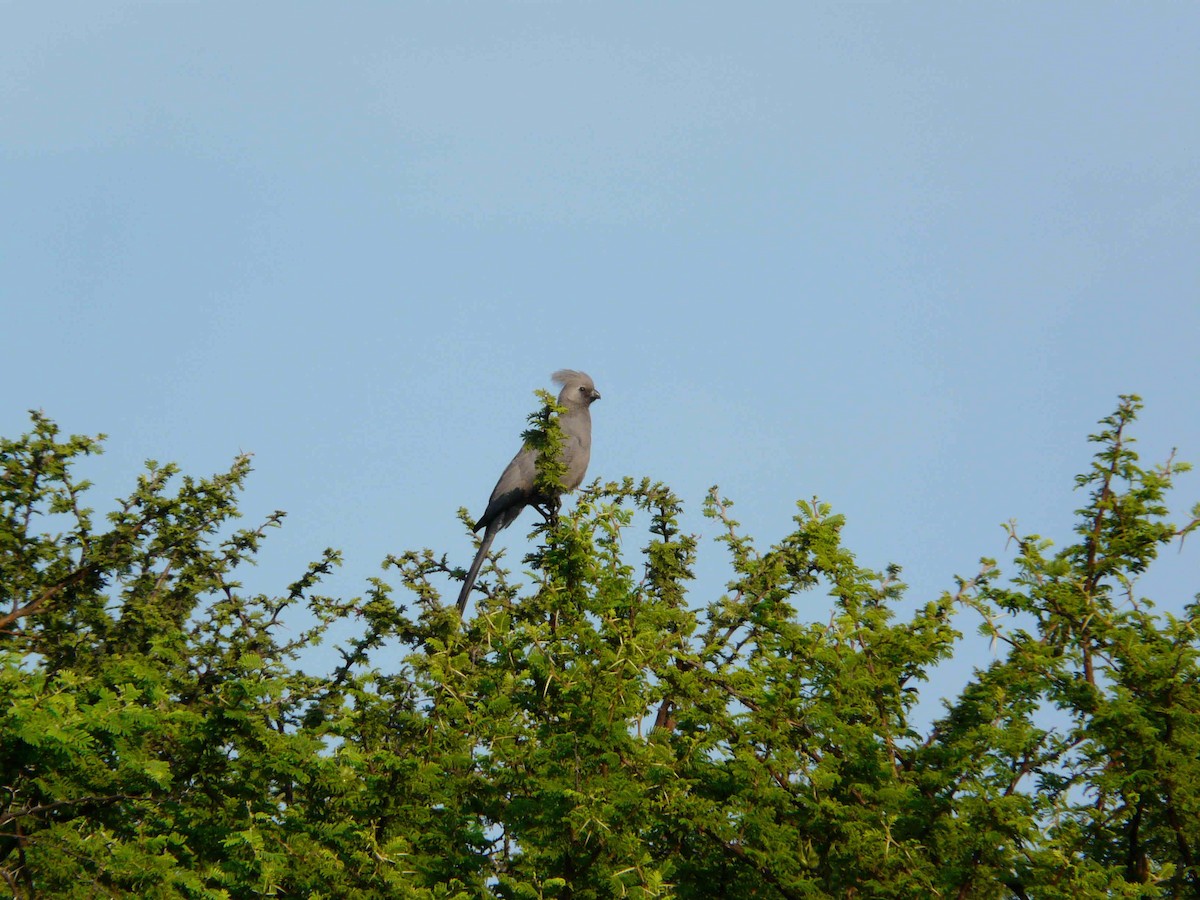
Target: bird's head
x,y
578,390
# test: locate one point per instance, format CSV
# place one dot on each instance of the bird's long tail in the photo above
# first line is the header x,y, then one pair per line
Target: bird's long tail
x,y
484,545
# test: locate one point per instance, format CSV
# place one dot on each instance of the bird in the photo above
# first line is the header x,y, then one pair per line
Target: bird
x,y
515,489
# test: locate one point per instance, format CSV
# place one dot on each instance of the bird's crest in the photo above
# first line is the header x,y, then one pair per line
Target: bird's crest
x,y
562,376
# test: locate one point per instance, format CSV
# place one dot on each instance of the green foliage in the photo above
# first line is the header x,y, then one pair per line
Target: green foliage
x,y
596,734
546,438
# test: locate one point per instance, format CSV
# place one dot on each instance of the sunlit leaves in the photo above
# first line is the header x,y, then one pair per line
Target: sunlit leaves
x,y
601,732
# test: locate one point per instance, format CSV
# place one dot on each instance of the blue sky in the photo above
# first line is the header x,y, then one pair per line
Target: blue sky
x,y
901,257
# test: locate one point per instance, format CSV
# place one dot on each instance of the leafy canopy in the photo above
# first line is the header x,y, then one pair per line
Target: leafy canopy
x,y
598,733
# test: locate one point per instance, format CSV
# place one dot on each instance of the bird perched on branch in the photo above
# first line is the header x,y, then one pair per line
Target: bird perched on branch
x,y
516,488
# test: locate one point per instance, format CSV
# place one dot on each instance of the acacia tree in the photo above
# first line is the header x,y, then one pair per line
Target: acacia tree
x,y
598,733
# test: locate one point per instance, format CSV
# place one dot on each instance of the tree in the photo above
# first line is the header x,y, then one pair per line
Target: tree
x,y
596,734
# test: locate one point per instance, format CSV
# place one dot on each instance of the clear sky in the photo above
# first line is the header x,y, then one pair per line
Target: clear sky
x,y
901,257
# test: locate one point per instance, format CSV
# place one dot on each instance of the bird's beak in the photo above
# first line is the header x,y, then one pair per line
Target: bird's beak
x,y
595,394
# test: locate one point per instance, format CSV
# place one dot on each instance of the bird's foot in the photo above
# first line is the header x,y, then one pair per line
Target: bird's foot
x,y
549,510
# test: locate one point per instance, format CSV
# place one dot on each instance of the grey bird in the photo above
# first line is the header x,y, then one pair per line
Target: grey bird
x,y
515,489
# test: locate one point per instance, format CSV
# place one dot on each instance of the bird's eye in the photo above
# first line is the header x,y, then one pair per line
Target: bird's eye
x,y
582,389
